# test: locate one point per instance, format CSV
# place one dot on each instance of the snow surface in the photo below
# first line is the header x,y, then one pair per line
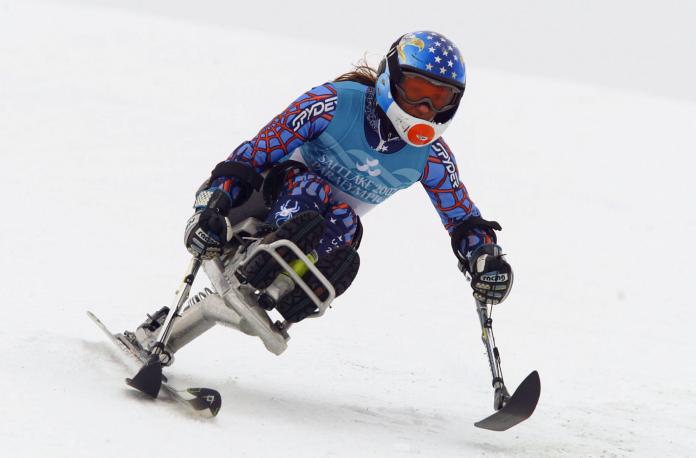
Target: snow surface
x,y
109,120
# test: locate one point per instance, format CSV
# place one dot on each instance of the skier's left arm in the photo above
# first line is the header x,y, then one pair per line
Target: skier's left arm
x,y
474,241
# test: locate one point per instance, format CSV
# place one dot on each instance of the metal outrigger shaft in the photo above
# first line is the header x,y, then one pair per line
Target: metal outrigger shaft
x,y
149,378
501,394
510,410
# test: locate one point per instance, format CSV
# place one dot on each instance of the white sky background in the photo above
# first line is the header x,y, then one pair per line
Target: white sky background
x,y
646,46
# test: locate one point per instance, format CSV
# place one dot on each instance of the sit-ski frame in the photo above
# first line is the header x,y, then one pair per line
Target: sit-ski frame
x,y
234,304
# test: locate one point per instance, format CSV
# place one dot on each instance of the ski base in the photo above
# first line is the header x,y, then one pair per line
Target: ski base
x,y
518,408
203,401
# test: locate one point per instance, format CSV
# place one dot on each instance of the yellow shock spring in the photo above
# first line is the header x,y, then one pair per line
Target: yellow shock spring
x,y
300,267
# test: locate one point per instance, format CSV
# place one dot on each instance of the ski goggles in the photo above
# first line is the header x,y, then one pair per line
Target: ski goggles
x,y
416,89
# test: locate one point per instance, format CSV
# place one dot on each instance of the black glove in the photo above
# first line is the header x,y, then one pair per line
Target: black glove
x,y
209,229
491,275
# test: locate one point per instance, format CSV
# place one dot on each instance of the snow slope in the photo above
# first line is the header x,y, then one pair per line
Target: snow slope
x,y
108,122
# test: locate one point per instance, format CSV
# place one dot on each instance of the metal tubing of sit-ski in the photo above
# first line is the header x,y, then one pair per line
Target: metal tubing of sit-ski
x,y
489,343
234,304
181,296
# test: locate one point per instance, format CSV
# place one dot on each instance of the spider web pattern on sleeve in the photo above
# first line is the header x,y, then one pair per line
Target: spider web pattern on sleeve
x,y
303,120
444,187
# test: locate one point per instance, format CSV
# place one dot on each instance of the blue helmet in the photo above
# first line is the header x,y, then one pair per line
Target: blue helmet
x,y
433,57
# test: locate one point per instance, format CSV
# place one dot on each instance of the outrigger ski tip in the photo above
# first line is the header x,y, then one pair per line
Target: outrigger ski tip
x,y
518,408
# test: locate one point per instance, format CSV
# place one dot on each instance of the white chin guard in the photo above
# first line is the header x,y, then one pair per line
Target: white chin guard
x,y
414,131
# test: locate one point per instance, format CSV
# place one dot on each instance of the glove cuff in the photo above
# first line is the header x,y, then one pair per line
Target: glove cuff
x,y
465,228
213,198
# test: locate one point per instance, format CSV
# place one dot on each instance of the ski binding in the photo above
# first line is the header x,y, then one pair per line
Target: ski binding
x,y
203,401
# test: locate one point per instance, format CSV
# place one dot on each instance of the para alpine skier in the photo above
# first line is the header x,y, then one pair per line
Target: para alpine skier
x,y
279,219
339,150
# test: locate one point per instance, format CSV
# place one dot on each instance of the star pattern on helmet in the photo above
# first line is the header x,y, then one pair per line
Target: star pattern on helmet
x,y
437,54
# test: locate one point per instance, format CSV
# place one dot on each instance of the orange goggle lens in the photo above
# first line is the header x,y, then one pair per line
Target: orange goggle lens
x,y
416,89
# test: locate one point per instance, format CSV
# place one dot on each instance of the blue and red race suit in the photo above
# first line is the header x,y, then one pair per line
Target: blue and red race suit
x,y
354,163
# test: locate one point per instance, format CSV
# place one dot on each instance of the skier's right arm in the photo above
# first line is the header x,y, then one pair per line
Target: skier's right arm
x,y
233,180
303,120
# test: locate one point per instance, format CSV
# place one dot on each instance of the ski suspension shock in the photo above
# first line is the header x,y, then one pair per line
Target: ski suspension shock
x,y
199,297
